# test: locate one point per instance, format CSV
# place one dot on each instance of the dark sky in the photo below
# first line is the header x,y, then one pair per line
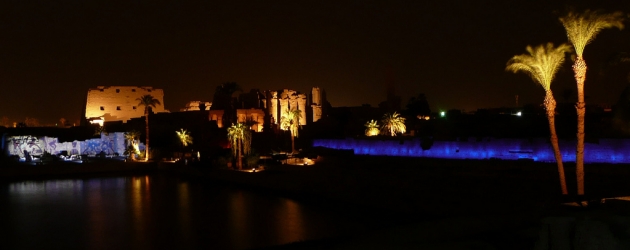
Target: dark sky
x,y
454,51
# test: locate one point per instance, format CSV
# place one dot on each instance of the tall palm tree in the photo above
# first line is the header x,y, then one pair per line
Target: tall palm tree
x,y
393,123
542,63
147,101
223,100
581,29
240,137
372,128
290,120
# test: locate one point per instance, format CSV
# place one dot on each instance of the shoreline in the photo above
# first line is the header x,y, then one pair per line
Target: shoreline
x,y
65,170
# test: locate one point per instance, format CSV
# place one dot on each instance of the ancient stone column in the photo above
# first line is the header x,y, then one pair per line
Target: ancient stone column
x,y
301,102
273,106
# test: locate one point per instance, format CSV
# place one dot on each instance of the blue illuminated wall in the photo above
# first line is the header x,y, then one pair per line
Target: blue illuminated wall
x,y
109,144
539,149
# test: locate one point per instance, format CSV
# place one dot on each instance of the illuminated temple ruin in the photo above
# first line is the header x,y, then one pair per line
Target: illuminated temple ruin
x,y
266,107
120,103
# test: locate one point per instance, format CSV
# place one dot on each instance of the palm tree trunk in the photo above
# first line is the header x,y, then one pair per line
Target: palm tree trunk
x,y
146,114
133,155
292,143
550,106
239,163
579,69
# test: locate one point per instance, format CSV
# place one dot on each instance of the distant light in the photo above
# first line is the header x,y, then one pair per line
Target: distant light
x,y
518,113
442,114
99,121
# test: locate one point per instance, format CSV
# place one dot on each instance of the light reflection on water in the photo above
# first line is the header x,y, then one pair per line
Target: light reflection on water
x,y
148,212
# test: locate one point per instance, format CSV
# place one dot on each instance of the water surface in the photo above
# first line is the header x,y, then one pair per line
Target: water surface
x,y
155,212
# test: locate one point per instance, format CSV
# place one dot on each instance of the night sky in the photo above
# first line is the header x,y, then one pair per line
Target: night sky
x,y
52,52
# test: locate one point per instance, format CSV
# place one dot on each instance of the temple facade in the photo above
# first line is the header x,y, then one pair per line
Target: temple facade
x,y
316,103
281,101
196,105
120,103
265,108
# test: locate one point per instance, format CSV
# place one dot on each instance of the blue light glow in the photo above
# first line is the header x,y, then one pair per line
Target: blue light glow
x,y
539,149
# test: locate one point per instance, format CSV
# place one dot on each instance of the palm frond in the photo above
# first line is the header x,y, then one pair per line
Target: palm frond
x,y
290,120
241,132
148,101
372,128
184,137
393,123
541,63
131,136
583,27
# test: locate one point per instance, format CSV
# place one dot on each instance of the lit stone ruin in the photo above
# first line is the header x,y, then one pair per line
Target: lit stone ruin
x,y
120,103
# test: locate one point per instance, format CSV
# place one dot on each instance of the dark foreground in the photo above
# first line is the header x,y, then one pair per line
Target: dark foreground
x,y
430,203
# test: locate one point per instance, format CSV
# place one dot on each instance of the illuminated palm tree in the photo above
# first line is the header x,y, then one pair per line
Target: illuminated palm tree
x,y
542,63
581,29
184,137
147,101
131,138
393,123
290,120
372,128
240,137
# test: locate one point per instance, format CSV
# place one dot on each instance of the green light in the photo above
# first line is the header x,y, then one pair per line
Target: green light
x,y
442,114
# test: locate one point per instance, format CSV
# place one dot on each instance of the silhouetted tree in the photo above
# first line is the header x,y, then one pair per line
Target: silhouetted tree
x,y
202,106
147,101
418,105
223,100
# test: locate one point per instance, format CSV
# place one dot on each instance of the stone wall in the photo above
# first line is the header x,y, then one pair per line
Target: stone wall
x,y
287,100
194,106
216,115
316,103
539,149
256,115
120,103
109,144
